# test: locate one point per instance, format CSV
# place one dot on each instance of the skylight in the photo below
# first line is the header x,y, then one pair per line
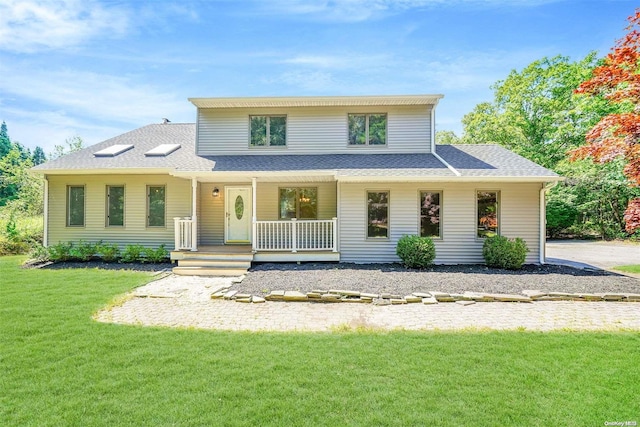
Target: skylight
x,y
113,150
162,150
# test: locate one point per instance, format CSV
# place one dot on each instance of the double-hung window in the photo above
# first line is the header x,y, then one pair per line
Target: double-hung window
x,y
367,129
378,214
430,214
75,206
115,206
156,201
268,131
488,213
300,203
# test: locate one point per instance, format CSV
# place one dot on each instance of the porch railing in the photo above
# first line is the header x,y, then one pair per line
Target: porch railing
x,y
296,235
185,237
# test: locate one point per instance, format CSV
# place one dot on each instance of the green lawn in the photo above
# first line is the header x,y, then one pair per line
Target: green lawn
x,y
633,268
60,368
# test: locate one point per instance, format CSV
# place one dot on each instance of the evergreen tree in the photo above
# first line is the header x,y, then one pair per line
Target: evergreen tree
x,y
38,156
5,142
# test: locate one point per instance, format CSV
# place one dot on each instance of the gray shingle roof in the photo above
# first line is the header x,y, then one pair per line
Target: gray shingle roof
x,y
143,140
469,160
490,161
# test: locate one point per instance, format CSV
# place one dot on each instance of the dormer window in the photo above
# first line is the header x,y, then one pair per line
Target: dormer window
x,y
367,129
268,131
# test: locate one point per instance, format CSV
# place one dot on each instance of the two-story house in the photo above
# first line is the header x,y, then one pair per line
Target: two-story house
x,y
296,179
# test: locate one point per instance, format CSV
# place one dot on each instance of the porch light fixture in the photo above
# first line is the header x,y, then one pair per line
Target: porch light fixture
x,y
215,192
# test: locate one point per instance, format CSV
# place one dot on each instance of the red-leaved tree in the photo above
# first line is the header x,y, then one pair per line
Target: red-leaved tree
x,y
618,135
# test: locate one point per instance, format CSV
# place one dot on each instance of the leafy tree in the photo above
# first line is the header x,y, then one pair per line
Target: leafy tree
x,y
535,112
617,135
73,144
447,137
24,188
5,142
38,156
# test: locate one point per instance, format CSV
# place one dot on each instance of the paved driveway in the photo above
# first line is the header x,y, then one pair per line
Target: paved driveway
x,y
589,253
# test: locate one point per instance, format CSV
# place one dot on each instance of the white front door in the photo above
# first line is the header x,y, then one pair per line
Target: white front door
x,y
238,211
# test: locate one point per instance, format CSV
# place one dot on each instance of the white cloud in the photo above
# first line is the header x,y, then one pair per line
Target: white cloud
x,y
49,106
362,10
346,61
32,25
87,93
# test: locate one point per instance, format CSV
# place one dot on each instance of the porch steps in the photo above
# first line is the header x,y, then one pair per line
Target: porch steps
x,y
213,263
209,271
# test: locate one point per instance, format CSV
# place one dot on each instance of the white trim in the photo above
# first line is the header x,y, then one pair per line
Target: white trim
x,y
45,236
543,219
254,223
432,125
316,101
194,214
451,168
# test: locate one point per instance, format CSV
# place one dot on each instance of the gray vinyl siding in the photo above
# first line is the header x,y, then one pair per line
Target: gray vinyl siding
x,y
519,210
313,130
211,213
135,230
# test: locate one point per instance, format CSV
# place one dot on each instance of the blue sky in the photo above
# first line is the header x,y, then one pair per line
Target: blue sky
x,y
96,69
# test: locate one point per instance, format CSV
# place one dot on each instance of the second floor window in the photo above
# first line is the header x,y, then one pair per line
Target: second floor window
x,y
268,131
367,129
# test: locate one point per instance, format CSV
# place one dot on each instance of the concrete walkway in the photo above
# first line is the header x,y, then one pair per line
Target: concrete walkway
x,y
183,301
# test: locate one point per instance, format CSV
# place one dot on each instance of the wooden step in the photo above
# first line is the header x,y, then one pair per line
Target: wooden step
x,y
214,263
209,271
179,256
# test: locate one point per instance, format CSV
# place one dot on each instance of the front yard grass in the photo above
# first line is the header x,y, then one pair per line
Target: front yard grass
x,y
59,367
633,268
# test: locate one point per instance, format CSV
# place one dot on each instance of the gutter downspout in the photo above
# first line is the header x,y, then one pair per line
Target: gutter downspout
x,y
433,144
45,236
543,218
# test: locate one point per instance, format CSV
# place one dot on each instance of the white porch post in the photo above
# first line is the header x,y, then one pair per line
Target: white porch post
x,y
254,225
45,235
194,214
294,235
335,234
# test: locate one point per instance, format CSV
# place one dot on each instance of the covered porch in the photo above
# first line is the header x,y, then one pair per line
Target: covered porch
x,y
234,222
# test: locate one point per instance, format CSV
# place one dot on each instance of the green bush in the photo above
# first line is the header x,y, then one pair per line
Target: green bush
x,y
416,251
560,216
155,255
39,253
60,252
12,247
132,253
109,252
501,252
83,251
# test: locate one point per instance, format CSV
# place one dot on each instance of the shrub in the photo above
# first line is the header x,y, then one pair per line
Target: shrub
x,y
12,247
132,253
501,252
60,252
416,251
109,252
39,253
155,255
83,251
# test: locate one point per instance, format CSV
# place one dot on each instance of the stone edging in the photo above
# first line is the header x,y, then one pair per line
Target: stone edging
x,y
431,297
